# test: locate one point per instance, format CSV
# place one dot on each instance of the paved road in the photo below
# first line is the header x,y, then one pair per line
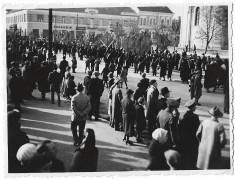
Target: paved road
x,y
42,120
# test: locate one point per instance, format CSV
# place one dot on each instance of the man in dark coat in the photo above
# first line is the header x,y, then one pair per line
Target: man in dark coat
x,y
95,90
43,84
86,82
168,120
16,85
63,65
188,126
55,80
144,83
140,118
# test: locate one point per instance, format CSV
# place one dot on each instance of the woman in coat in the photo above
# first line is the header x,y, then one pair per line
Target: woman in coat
x,y
128,115
140,118
212,138
163,65
85,158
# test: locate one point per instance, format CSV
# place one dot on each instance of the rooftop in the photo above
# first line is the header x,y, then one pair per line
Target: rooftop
x,y
163,9
101,10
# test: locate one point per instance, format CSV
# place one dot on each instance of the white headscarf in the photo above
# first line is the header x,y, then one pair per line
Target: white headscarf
x,y
160,135
26,152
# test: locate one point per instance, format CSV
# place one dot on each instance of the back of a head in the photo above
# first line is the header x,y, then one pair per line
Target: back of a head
x,y
42,147
173,159
80,87
90,140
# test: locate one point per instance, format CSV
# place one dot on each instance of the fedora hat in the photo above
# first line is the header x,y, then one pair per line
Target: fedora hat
x,y
215,111
165,90
190,103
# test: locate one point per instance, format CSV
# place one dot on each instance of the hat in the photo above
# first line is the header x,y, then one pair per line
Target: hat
x,y
79,87
164,91
143,75
152,82
190,103
96,73
26,152
215,111
172,102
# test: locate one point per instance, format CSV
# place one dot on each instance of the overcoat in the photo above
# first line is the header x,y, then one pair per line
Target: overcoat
x,y
188,126
128,115
212,138
140,118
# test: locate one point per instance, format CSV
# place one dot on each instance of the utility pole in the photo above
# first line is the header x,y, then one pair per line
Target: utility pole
x,y
50,34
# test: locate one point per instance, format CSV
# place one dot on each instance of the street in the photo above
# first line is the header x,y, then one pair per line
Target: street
x,y
42,120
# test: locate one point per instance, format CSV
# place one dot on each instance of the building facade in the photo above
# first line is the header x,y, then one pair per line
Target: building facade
x,y
71,22
193,21
152,18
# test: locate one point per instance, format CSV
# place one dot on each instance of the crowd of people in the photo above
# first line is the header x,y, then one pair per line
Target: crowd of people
x,y
179,141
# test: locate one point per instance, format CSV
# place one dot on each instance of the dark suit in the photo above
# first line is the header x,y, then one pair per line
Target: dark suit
x,y
63,65
95,90
55,79
188,126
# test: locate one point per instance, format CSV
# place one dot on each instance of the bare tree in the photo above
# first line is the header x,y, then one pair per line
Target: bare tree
x,y
211,24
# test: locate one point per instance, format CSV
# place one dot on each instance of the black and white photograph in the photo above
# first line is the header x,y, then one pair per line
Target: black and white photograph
x,y
92,88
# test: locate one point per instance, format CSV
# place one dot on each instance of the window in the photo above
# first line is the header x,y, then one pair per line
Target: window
x,y
154,21
151,21
197,14
54,20
72,21
144,23
24,17
141,21
162,21
63,20
39,18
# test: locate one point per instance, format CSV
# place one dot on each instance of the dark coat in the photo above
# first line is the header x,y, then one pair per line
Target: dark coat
x,y
156,155
16,86
163,65
84,161
128,115
43,84
57,166
145,83
140,118
55,79
105,73
86,84
16,138
96,87
63,65
188,141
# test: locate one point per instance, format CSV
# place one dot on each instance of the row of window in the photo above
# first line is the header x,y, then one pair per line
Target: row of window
x,y
16,19
143,21
84,21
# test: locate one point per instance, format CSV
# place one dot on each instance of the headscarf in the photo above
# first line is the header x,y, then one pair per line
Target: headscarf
x,y
160,135
26,152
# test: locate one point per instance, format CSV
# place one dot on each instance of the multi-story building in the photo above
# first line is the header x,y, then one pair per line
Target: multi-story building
x,y
153,17
74,21
196,18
